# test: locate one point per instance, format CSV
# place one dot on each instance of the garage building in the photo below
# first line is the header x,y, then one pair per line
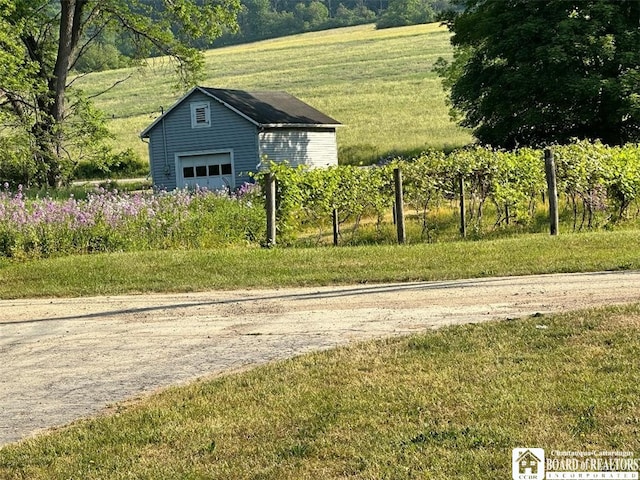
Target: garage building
x,y
214,138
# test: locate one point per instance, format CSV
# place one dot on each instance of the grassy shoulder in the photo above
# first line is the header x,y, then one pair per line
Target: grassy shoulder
x,y
440,405
232,268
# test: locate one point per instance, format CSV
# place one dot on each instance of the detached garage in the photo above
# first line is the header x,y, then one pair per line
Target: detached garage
x,y
215,137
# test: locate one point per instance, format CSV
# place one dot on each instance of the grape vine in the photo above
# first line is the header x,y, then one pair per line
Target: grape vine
x,y
597,183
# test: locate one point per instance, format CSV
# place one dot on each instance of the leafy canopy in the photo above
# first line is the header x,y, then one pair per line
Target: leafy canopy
x,y
41,41
535,72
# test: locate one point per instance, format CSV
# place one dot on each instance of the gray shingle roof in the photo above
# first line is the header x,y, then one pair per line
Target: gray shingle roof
x,y
271,108
264,109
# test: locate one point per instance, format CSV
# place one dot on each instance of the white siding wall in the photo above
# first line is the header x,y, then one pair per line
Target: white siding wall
x,y
315,148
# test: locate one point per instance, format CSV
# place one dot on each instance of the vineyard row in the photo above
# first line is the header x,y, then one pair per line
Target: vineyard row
x,y
593,179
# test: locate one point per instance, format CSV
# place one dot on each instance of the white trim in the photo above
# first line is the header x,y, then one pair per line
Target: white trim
x,y
145,132
195,153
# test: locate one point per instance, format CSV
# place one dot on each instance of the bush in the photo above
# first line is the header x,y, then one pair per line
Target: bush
x,y
101,56
112,165
17,165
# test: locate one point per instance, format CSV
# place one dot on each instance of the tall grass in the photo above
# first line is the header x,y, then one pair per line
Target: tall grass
x,y
111,221
378,83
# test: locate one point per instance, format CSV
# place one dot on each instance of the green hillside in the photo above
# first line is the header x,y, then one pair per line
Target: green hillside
x,y
378,83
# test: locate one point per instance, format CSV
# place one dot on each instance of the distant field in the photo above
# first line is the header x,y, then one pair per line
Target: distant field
x,y
379,84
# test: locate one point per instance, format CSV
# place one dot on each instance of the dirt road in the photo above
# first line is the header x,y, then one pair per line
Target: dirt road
x,y
62,359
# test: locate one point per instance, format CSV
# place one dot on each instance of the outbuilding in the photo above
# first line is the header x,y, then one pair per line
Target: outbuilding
x,y
214,138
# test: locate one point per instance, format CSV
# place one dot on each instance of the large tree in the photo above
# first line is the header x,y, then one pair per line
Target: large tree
x,y
535,72
41,40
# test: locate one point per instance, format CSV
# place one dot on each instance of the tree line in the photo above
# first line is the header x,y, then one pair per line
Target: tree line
x,y
263,19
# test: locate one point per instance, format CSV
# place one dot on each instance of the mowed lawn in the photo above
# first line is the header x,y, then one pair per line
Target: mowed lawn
x,y
449,404
446,404
378,83
237,268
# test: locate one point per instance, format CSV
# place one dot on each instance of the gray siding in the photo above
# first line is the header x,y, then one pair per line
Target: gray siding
x,y
228,132
315,148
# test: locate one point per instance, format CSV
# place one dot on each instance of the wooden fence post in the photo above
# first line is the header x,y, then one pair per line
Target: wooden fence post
x,y
336,227
463,213
270,183
552,187
397,179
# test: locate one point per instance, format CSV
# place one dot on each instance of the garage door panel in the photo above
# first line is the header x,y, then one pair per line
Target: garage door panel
x,y
211,171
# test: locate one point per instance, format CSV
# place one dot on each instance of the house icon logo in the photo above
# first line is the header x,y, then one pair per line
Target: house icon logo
x,y
528,463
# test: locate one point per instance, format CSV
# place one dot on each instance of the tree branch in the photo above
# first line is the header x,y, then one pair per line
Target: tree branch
x,y
122,80
78,77
78,29
81,50
114,85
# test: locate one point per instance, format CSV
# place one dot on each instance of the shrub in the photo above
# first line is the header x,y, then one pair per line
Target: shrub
x,y
112,165
17,165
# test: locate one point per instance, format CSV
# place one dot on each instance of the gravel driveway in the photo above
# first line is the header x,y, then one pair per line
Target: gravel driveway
x,y
62,359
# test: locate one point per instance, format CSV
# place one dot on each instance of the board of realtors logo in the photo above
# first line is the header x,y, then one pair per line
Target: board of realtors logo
x,y
528,463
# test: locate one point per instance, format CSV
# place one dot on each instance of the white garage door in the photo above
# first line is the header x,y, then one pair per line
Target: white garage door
x,y
213,171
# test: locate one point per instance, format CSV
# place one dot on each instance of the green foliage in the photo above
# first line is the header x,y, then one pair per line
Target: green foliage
x,y
425,182
534,73
43,40
101,56
623,180
599,182
14,71
112,165
261,19
312,14
17,165
309,197
406,12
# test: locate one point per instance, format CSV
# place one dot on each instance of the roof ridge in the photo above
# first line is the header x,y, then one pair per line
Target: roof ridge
x,y
264,108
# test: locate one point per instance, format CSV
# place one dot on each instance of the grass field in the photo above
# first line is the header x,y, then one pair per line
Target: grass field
x,y
228,268
378,83
444,405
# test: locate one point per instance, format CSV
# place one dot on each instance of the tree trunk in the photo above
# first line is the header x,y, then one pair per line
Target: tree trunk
x,y
47,132
45,154
70,31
